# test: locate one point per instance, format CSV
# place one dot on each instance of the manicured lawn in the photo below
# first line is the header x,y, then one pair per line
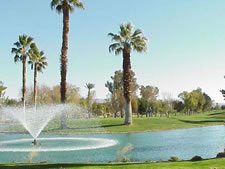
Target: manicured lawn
x,y
112,125
115,125
206,164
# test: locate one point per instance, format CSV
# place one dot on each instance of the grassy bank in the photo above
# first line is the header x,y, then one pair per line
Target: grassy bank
x,y
112,125
206,164
115,125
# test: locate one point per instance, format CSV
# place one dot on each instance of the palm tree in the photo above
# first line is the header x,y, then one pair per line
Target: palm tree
x,y
125,42
89,86
65,7
38,63
21,53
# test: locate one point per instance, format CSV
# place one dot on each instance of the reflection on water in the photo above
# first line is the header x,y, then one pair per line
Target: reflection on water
x,y
185,144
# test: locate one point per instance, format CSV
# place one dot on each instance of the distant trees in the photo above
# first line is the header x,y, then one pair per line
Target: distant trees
x,y
2,92
115,88
149,93
51,95
195,101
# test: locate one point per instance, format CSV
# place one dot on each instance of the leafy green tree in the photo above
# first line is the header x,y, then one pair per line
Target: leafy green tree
x,y
149,92
143,106
65,7
2,91
38,64
125,42
21,54
51,95
208,102
116,89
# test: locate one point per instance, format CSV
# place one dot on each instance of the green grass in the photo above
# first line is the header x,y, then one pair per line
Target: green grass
x,y
206,164
115,125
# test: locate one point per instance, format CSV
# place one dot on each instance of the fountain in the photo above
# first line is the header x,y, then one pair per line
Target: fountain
x,y
34,119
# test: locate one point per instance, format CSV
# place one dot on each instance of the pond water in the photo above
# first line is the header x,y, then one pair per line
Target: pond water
x,y
183,143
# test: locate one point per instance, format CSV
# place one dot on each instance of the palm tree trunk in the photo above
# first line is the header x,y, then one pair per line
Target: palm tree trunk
x,y
127,87
64,59
24,79
64,51
88,103
35,84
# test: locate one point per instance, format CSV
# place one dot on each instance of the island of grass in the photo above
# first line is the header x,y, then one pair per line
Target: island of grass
x,y
141,124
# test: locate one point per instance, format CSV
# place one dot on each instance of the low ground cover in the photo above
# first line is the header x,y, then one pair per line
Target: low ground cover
x,y
207,164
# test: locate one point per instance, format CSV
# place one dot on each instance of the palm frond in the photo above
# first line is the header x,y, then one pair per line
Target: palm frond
x,y
59,9
54,3
125,30
137,32
118,51
17,44
17,58
14,50
29,40
114,46
77,3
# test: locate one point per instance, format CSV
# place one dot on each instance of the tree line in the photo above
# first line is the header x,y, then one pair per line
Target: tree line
x,y
187,103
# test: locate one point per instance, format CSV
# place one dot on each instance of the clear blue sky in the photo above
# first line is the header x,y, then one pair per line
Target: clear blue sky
x,y
186,43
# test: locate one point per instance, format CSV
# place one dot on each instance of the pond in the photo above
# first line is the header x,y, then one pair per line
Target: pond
x,y
161,145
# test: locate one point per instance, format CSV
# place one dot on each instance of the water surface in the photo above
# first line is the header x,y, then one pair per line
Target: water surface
x,y
183,143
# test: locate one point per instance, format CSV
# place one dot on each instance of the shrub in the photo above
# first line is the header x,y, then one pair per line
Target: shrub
x,y
173,159
220,155
148,161
196,158
126,159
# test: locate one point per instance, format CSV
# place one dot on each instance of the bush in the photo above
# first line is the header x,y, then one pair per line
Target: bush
x,y
173,159
196,158
126,160
220,155
148,161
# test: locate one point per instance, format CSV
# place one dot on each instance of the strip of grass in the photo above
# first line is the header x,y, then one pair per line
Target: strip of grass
x,y
115,125
206,164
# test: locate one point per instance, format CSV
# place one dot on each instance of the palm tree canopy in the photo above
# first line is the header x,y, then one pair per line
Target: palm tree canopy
x,y
128,40
37,58
21,47
90,86
70,5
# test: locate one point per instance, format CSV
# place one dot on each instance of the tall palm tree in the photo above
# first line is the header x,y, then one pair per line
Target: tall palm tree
x,y
65,7
21,53
38,63
126,41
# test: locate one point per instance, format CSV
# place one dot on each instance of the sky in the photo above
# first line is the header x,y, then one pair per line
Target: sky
x,y
186,44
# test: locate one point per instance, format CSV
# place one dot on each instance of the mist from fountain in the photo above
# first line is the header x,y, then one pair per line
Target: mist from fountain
x,y
34,119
